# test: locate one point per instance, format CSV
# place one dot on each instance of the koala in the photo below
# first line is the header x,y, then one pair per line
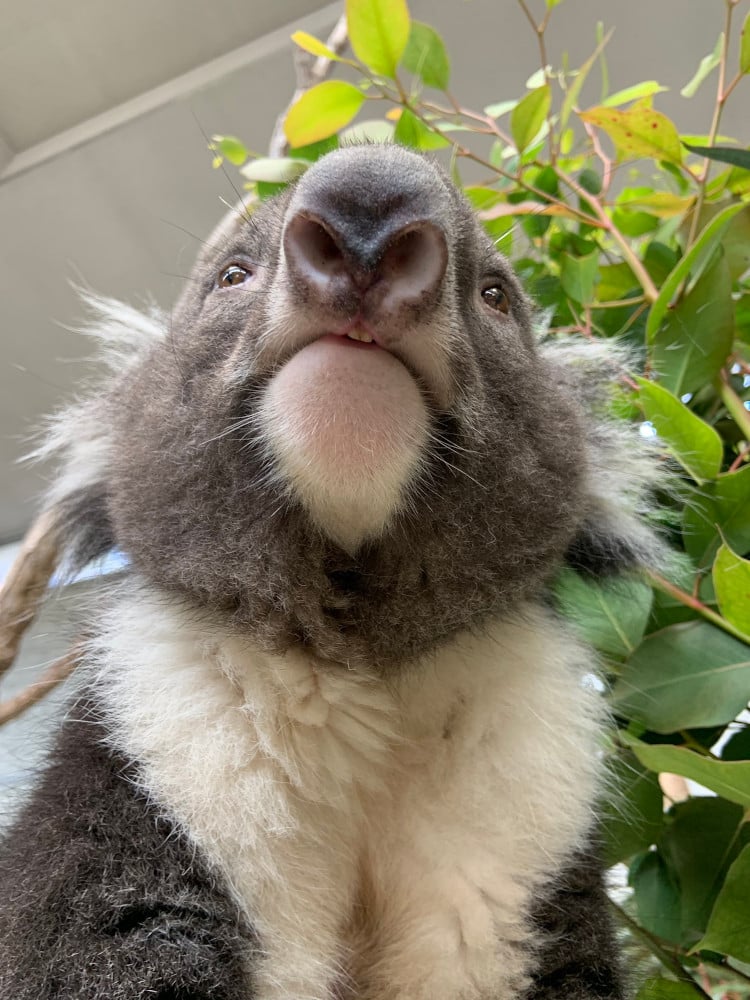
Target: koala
x,y
330,739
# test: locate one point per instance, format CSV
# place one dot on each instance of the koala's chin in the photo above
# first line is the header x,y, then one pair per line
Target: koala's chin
x,y
346,425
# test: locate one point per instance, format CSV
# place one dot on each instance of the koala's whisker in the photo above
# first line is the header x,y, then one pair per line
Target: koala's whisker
x,y
238,425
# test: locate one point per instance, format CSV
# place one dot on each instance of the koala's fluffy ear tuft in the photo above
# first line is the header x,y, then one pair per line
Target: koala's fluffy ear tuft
x,y
78,438
624,470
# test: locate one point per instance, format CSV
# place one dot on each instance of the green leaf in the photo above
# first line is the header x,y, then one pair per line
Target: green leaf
x,y
731,576
684,677
634,818
552,3
692,263
425,55
695,444
706,66
314,46
738,747
724,154
657,896
411,131
724,504
371,130
693,344
499,109
640,131
529,115
730,779
745,46
666,989
379,33
321,111
578,276
636,93
728,929
700,839
275,170
231,148
610,616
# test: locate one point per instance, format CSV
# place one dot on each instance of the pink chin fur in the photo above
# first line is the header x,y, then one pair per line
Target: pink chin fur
x,y
347,424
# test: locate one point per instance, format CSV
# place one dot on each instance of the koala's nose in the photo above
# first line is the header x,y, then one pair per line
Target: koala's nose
x,y
406,262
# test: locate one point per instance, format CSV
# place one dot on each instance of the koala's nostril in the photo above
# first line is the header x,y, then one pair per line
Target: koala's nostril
x,y
413,264
312,251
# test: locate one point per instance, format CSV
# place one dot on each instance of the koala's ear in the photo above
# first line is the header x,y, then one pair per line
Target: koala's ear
x,y
623,469
78,438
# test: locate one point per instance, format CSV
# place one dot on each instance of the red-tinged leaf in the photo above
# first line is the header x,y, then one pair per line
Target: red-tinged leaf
x,y
638,132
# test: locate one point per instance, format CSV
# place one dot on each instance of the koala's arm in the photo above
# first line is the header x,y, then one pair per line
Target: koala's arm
x,y
578,957
100,899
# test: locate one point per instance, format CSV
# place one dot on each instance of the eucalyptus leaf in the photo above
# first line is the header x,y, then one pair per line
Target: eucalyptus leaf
x,y
309,43
425,56
529,115
745,46
731,576
719,507
690,265
728,929
683,677
610,615
411,131
578,276
723,154
730,779
379,33
231,148
693,442
635,93
699,841
694,342
633,815
656,895
666,989
707,65
638,132
274,170
324,109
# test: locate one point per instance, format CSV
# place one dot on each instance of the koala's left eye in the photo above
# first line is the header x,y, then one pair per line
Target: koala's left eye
x,y
235,274
496,299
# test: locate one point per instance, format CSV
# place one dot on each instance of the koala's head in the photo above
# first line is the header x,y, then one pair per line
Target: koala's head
x,y
347,436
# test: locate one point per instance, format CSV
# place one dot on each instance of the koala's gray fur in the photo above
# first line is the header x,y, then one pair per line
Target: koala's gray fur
x,y
104,895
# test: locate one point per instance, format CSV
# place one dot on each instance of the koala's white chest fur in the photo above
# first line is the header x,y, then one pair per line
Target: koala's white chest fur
x,y
384,841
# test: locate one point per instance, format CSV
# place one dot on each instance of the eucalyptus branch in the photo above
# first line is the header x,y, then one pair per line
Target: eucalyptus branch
x,y
650,291
721,98
25,586
539,30
659,951
34,693
310,71
702,609
734,404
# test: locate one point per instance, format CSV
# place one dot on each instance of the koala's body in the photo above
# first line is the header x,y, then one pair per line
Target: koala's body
x,y
330,741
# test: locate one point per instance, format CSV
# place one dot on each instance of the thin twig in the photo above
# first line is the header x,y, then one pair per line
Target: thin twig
x,y
702,609
52,676
656,948
310,71
25,585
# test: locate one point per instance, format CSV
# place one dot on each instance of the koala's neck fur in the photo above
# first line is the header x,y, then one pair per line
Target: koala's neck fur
x,y
382,838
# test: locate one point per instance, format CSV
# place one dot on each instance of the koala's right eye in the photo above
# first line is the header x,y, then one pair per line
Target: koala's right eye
x,y
235,274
